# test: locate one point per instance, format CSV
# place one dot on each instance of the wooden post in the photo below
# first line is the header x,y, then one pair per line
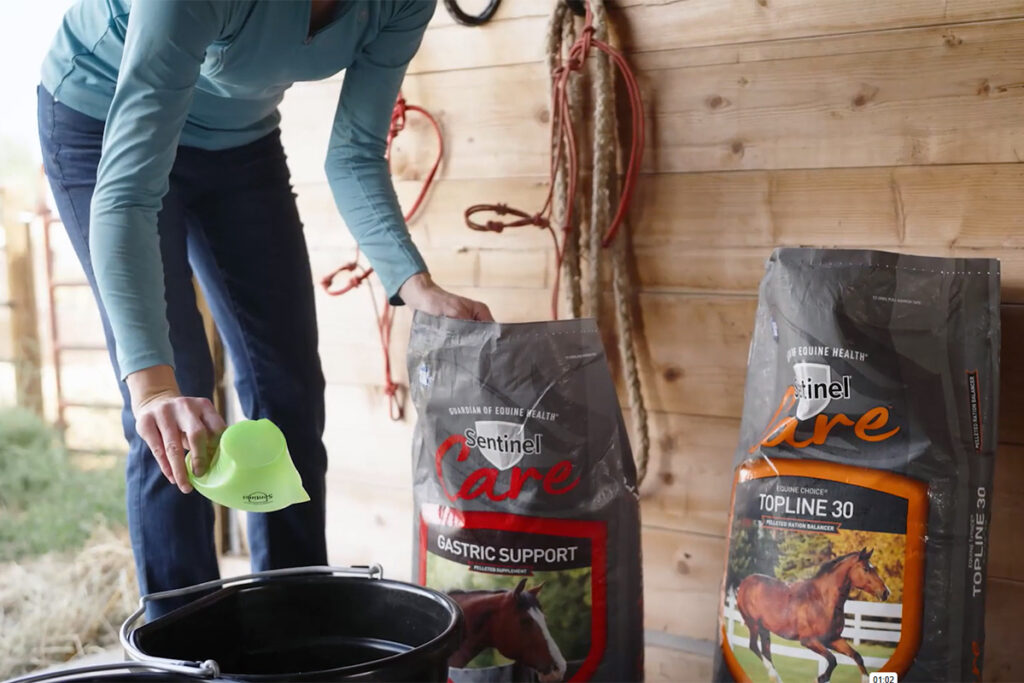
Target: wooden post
x,y
222,519
24,322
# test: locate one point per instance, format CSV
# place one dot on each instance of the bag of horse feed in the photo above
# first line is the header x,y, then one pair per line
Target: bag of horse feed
x,y
863,477
526,507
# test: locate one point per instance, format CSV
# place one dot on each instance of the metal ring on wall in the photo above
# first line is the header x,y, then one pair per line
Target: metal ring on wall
x,y
468,19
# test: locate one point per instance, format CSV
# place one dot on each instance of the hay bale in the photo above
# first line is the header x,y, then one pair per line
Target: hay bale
x,y
60,605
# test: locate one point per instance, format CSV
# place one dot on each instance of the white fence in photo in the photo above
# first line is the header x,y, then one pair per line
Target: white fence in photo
x,y
864,621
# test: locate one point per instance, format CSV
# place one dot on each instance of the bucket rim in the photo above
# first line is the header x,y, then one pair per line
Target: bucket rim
x,y
455,624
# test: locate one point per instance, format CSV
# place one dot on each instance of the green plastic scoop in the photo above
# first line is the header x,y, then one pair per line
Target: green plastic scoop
x,y
251,470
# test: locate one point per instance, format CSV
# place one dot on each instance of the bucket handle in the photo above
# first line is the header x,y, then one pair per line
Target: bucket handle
x,y
78,672
210,668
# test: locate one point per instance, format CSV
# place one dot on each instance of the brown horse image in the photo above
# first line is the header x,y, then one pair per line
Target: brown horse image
x,y
512,622
812,612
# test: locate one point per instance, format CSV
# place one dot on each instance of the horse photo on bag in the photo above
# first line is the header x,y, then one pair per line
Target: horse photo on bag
x,y
811,612
513,623
520,629
812,601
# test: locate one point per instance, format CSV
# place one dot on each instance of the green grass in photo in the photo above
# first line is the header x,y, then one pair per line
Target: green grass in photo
x,y
796,670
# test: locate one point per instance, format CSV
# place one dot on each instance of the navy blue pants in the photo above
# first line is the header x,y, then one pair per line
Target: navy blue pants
x,y
230,219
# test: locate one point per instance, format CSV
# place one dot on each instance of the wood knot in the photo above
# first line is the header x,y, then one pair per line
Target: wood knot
x,y
543,116
671,374
917,150
717,101
682,562
867,94
667,478
737,148
984,89
762,3
742,81
951,39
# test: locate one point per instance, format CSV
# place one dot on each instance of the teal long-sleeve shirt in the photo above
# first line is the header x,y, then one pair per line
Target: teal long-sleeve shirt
x,y
210,74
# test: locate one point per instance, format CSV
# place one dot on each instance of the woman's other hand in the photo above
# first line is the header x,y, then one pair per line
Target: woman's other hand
x,y
171,424
421,293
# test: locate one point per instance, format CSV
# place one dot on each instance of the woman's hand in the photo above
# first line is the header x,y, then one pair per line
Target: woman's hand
x,y
421,293
170,423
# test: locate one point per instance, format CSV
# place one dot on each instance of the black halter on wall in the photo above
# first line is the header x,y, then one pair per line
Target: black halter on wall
x,y
577,6
468,19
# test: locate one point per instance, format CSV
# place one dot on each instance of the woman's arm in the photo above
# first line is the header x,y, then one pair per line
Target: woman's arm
x,y
165,45
358,171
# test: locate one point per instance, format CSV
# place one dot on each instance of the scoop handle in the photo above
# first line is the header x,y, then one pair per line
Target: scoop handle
x,y
210,668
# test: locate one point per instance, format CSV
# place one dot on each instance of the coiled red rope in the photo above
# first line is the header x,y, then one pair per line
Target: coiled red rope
x,y
563,145
385,313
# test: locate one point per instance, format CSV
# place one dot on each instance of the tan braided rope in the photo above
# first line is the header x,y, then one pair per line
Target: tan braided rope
x,y
587,231
603,165
605,144
561,33
580,209
622,286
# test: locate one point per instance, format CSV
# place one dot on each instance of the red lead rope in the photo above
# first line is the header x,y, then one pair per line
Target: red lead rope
x,y
563,144
385,313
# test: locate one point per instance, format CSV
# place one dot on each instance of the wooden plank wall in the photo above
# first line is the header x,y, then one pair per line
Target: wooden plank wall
x,y
772,122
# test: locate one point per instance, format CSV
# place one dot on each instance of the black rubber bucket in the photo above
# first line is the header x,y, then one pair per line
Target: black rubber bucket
x,y
308,624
